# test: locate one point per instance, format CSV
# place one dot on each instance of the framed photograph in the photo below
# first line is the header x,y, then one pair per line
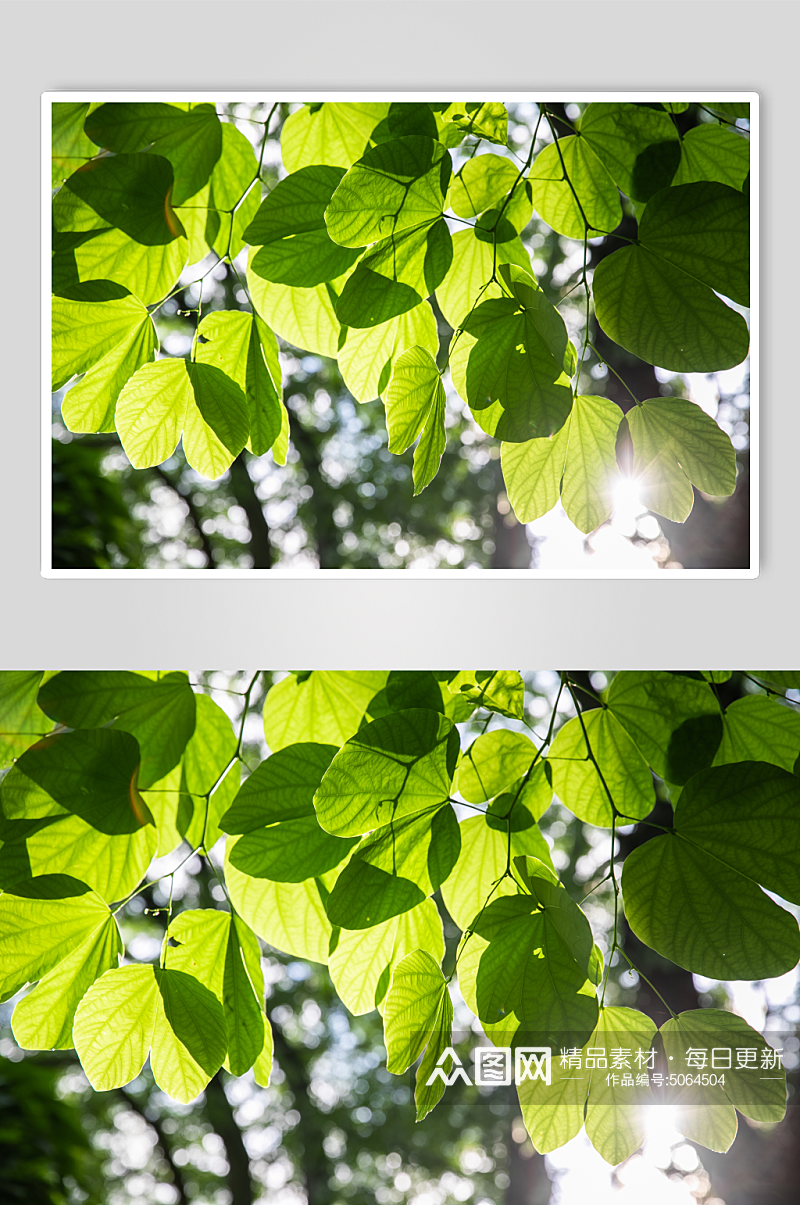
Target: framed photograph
x,y
373,333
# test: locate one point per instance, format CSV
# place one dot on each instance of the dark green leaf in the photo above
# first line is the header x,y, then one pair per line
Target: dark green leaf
x,y
280,788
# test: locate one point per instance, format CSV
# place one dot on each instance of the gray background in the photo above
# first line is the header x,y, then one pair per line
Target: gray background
x,y
455,620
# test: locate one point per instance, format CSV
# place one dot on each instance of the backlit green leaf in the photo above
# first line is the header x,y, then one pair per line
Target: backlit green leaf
x,y
624,771
675,445
412,1004
499,690
191,139
242,346
675,720
324,706
555,200
479,874
482,182
469,280
173,397
289,852
160,714
395,868
578,463
361,965
391,768
492,763
133,1007
368,355
639,146
280,788
331,133
394,186
148,271
22,722
306,318
289,229
757,728
415,403
706,1114
712,152
487,119
508,362
693,894
70,146
396,275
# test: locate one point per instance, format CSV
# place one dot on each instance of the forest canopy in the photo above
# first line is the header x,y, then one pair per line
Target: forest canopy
x,y
387,237
391,811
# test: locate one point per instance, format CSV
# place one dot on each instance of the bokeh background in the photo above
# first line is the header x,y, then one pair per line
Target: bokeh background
x,y
343,500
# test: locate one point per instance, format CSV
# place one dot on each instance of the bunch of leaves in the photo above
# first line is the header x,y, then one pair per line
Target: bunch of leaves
x,y
340,841
348,253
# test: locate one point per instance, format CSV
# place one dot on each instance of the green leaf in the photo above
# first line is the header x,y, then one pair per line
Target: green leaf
x,y
427,1095
290,852
70,147
492,763
411,688
615,1116
393,767
596,191
336,134
109,255
487,119
324,706
412,1005
44,1018
131,1007
368,354
509,362
131,193
664,316
757,728
478,875
89,406
208,947
710,152
22,722
40,837
703,229
674,720
395,868
525,966
289,229
396,275
394,186
290,916
160,714
693,894
578,463
84,334
675,445
191,139
306,318
242,346
482,182
500,690
408,117
656,297
415,404
577,782
639,146
528,798
469,279
42,920
173,397
707,1114
280,788
361,965
93,774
